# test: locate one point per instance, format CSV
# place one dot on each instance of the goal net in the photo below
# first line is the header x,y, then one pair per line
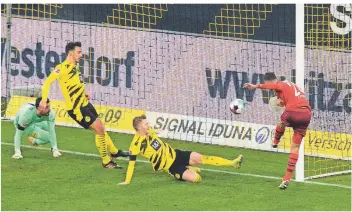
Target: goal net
x,y
328,83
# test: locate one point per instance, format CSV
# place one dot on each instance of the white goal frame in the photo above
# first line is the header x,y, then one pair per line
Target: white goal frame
x,y
300,70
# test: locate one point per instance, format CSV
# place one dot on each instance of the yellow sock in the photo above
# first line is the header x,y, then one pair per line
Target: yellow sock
x,y
111,147
195,169
198,179
102,147
216,161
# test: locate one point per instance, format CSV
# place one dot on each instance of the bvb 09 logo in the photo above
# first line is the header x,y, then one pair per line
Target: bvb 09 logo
x,y
262,135
111,116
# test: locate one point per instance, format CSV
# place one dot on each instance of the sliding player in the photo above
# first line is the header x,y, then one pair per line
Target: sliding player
x,y
163,157
77,104
38,124
296,115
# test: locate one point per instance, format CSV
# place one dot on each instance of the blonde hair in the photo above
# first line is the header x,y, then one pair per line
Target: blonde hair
x,y
138,120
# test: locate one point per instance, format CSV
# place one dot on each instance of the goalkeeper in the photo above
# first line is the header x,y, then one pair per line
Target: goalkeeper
x,y
163,157
38,124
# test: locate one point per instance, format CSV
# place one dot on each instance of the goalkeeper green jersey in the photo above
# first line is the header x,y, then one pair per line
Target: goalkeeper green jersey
x,y
27,121
28,115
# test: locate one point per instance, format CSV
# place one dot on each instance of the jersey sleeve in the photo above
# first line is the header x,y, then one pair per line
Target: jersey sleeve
x,y
135,145
52,134
17,138
54,75
52,115
271,86
134,151
23,121
51,129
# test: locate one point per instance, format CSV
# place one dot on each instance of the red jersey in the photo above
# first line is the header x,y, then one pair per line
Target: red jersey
x,y
292,97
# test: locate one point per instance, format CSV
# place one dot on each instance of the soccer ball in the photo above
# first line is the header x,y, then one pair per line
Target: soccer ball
x,y
237,106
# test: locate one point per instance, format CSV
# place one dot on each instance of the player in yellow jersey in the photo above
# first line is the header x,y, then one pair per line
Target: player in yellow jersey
x,y
163,157
77,103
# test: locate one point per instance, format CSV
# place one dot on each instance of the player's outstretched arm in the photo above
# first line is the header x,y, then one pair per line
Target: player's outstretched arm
x,y
271,86
52,138
134,151
52,134
250,86
54,75
23,122
130,170
18,136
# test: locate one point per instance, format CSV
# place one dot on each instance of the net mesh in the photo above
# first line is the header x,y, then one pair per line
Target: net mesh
x,y
328,71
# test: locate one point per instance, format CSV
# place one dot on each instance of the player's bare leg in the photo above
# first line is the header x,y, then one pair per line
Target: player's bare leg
x,y
191,176
101,144
296,140
196,159
279,132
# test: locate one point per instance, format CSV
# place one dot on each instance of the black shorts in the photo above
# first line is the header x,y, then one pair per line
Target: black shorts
x,y
89,115
178,167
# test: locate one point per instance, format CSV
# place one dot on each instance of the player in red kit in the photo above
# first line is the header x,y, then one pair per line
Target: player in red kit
x,y
297,115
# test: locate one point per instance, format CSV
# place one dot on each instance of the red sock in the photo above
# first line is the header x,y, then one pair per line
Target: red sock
x,y
290,166
279,131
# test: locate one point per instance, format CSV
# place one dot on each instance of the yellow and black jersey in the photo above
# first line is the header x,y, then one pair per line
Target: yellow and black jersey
x,y
160,154
71,86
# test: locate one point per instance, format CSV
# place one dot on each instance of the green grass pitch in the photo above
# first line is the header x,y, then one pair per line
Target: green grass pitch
x,y
77,182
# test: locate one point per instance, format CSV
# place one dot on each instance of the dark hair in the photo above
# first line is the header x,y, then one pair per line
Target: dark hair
x,y
270,76
38,100
72,45
138,120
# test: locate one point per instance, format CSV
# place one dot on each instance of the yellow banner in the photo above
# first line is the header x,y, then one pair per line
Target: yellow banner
x,y
115,118
120,119
320,143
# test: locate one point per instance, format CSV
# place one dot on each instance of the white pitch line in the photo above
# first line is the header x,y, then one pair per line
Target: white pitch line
x,y
209,170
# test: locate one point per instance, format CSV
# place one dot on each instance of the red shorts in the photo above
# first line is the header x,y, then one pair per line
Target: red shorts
x,y
298,120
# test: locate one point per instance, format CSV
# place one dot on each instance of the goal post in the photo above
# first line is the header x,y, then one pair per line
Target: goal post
x,y
6,98
8,52
300,77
